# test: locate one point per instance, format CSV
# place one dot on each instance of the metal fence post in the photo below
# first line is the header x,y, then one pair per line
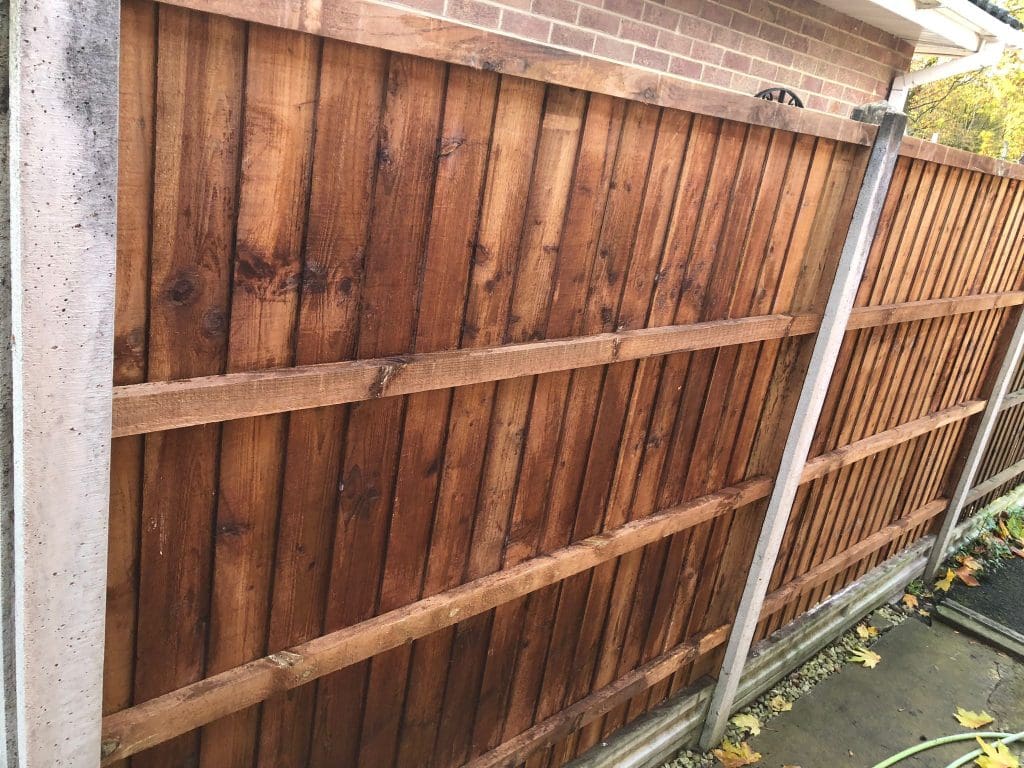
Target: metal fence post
x,y
872,195
63,189
986,427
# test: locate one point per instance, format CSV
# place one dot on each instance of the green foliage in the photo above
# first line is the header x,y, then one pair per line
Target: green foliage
x,y
980,111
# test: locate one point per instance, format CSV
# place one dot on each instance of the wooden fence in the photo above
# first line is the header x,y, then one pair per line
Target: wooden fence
x,y
447,400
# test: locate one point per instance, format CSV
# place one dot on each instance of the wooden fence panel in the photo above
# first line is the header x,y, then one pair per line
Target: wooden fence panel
x,y
291,201
1003,462
936,244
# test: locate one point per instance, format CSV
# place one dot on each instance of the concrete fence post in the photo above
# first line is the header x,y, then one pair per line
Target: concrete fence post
x,y
874,188
63,69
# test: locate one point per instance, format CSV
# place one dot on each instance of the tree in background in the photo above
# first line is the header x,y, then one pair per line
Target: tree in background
x,y
980,111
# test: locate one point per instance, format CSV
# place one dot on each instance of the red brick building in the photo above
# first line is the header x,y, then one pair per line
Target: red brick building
x,y
833,59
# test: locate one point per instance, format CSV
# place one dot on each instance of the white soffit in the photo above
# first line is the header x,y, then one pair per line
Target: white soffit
x,y
943,27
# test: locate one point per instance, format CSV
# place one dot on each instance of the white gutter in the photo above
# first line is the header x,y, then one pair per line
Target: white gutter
x,y
988,56
996,38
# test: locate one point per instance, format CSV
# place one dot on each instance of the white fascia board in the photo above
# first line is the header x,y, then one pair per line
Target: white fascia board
x,y
990,25
959,36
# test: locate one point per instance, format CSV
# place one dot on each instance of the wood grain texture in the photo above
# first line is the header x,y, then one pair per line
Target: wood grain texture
x,y
173,404
406,31
200,60
153,722
393,326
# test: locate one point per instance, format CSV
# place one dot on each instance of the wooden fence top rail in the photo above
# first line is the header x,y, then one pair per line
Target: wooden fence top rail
x,y
403,30
959,158
156,406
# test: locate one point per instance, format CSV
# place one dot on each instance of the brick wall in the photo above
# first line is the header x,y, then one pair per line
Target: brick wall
x,y
832,61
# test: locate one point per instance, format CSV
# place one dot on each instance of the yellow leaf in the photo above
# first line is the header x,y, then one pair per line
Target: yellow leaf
x,y
996,756
971,563
866,632
969,719
868,658
926,614
779,704
736,755
909,601
947,582
967,577
1004,531
747,723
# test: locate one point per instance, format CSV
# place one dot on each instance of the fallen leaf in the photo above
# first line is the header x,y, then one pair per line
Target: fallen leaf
x,y
1017,551
969,719
736,755
747,723
787,765
926,614
1004,531
866,632
971,563
996,756
779,704
909,601
967,577
868,658
947,582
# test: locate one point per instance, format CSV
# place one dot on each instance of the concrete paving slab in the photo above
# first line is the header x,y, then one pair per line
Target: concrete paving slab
x,y
859,716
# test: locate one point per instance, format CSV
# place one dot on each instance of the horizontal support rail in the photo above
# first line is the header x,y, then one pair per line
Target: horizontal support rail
x,y
994,482
551,730
152,722
156,406
928,309
1012,400
168,405
836,459
548,732
785,594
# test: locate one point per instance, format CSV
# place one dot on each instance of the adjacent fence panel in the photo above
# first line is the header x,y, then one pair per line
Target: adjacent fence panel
x,y
1003,463
290,200
947,231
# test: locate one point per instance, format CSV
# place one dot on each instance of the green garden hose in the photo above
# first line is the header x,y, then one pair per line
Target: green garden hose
x,y
971,755
924,745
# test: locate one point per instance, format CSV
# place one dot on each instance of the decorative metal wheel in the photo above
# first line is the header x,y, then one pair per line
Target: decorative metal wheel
x,y
781,95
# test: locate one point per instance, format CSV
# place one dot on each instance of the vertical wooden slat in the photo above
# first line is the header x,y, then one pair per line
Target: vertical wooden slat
x,y
135,199
351,92
277,133
462,717
513,143
465,139
200,69
406,161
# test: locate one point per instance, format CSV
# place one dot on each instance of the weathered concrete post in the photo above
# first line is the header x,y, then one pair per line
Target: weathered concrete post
x,y
63,181
9,723
979,442
812,397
